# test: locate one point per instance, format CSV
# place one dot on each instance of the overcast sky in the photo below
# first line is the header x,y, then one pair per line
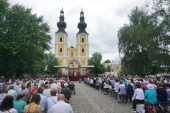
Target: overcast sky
x,y
103,18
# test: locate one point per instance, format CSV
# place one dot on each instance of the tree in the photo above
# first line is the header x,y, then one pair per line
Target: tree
x,y
96,61
24,37
107,61
142,42
51,61
108,68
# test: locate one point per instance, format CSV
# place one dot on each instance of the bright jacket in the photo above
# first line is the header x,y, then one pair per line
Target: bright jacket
x,y
150,96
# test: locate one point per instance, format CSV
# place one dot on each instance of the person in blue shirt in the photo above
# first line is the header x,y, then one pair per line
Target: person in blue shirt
x,y
20,103
150,95
125,83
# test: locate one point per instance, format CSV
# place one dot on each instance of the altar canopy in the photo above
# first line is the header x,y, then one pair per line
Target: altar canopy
x,y
73,69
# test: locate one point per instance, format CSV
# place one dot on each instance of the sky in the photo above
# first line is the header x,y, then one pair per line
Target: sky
x,y
103,18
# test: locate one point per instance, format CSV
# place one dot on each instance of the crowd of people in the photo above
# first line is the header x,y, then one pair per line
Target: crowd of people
x,y
153,91
42,95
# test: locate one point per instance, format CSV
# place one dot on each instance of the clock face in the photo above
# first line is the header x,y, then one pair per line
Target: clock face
x,y
82,34
61,34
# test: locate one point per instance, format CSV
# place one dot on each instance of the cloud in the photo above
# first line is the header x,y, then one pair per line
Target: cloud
x,y
103,18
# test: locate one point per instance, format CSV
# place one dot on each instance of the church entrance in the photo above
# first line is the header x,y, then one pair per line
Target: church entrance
x,y
74,68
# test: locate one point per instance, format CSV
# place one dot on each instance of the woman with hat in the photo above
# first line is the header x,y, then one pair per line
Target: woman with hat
x,y
150,96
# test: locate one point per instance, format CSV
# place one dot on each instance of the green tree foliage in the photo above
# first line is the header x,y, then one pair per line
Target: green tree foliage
x,y
96,61
108,68
107,61
144,41
51,61
24,37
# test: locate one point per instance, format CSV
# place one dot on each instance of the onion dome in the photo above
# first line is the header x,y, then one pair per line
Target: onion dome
x,y
61,24
82,25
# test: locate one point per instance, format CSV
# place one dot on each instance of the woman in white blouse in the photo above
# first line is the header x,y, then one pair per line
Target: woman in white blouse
x,y
116,85
138,95
7,105
52,100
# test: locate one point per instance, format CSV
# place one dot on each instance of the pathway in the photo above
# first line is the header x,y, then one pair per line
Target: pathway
x,y
89,100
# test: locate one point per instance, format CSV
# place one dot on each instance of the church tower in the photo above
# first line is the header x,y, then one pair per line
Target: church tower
x,y
61,40
82,41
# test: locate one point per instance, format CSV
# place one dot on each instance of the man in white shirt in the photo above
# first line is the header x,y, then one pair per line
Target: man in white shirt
x,y
46,92
52,100
43,101
61,106
54,85
17,86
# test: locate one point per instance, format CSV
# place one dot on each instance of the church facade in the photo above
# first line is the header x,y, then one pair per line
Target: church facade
x,y
66,53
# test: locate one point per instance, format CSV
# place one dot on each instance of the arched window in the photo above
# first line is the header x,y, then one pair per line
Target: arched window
x,y
60,39
82,49
82,39
82,69
117,67
71,53
112,70
60,49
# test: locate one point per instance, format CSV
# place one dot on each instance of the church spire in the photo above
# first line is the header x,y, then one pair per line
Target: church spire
x,y
61,24
82,25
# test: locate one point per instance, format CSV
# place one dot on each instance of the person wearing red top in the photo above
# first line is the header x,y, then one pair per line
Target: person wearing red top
x,y
62,82
34,89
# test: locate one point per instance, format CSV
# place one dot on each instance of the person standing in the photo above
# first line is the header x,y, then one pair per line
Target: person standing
x,y
61,106
52,100
34,89
3,93
33,107
20,103
17,86
66,92
43,100
12,92
7,105
25,91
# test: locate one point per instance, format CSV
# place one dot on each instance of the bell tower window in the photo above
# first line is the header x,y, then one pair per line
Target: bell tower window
x,y
83,50
82,39
60,39
60,49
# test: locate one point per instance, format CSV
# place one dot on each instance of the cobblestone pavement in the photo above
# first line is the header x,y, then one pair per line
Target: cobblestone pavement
x,y
89,100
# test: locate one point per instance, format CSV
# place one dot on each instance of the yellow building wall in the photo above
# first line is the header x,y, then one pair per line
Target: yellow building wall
x,y
60,37
87,40
71,55
81,39
83,63
55,50
68,61
60,53
115,68
82,53
61,61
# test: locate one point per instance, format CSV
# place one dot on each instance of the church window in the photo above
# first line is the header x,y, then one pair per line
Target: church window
x,y
82,61
82,39
83,50
60,49
112,70
60,61
82,69
117,67
60,39
71,47
71,53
